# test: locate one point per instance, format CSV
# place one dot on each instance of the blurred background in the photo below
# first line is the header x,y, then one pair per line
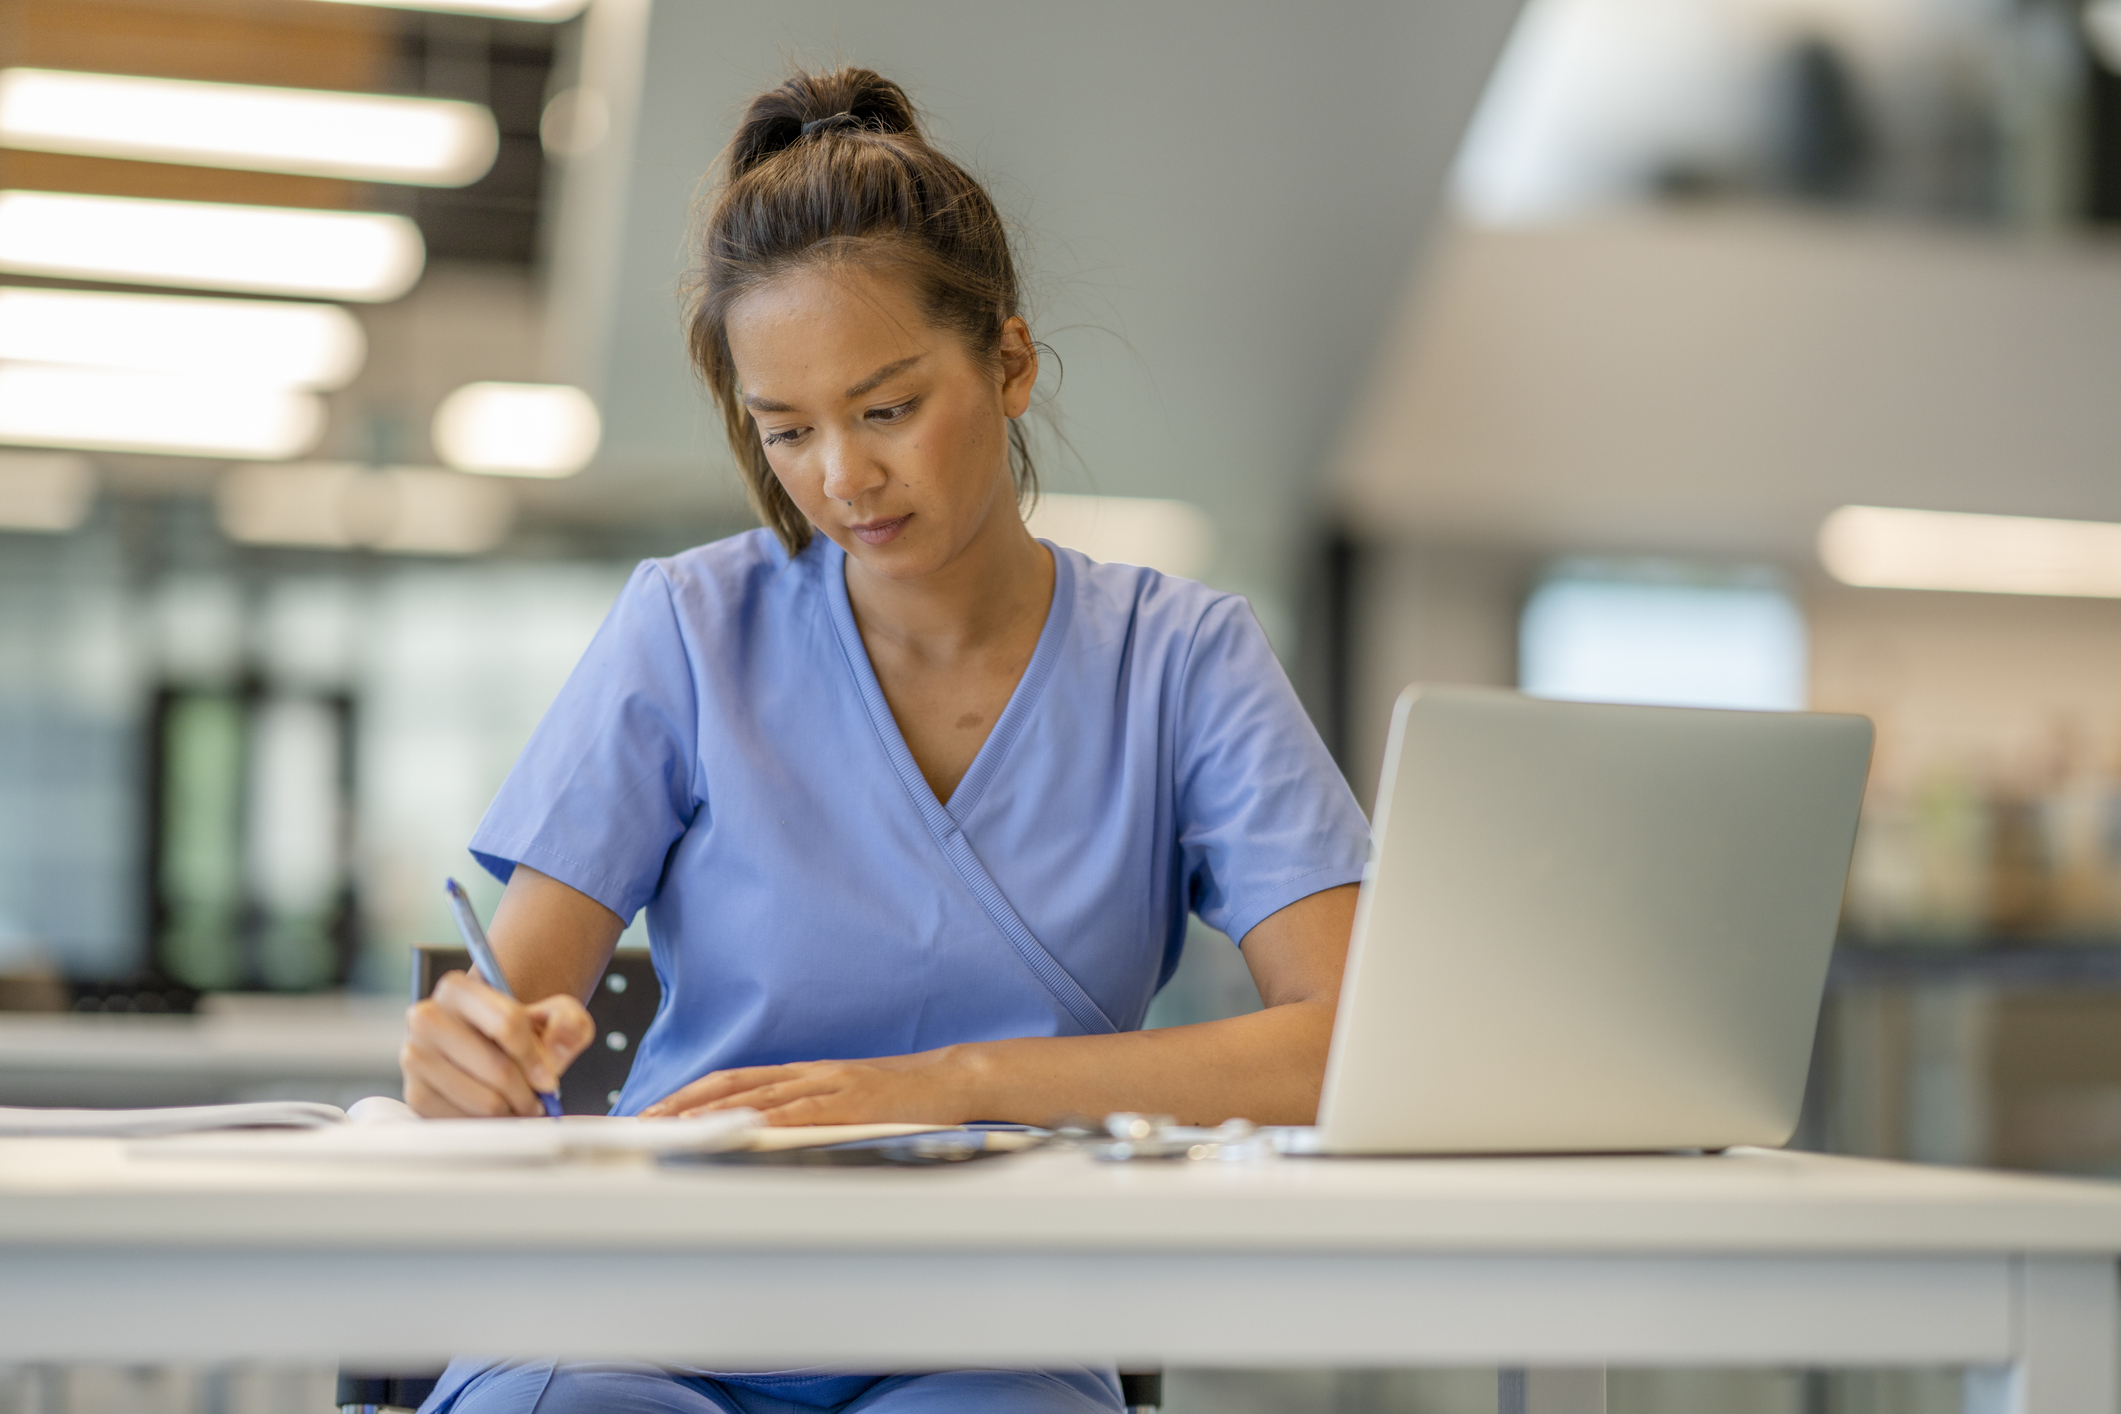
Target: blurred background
x,y
1754,353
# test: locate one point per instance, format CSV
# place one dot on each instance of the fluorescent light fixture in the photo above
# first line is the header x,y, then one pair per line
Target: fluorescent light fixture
x,y
352,255
408,510
95,409
1878,547
1173,536
429,142
273,342
45,491
517,429
546,11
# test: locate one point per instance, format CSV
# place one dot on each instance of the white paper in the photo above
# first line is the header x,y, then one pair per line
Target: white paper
x,y
465,1141
185,1119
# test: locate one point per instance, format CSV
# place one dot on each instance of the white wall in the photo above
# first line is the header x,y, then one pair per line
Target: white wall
x,y
1219,204
1426,613
2005,688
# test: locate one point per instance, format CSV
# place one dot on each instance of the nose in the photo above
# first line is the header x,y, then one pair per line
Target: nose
x,y
850,470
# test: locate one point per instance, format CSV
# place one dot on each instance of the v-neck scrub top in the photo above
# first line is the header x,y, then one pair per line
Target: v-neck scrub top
x,y
723,757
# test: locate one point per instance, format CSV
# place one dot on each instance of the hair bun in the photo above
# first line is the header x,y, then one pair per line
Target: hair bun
x,y
779,118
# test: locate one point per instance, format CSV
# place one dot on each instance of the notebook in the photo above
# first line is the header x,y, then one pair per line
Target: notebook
x,y
380,1128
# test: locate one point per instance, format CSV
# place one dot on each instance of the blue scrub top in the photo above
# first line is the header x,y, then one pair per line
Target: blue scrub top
x,y
724,757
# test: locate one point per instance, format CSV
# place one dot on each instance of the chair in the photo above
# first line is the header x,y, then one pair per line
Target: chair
x,y
622,1005
624,1002
381,1394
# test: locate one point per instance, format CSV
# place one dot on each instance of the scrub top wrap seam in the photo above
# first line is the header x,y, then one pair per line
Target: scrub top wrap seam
x,y
941,820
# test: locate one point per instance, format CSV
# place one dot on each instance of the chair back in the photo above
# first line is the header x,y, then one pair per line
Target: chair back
x,y
624,1002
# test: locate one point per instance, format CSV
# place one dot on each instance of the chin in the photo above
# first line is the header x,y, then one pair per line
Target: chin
x,y
896,559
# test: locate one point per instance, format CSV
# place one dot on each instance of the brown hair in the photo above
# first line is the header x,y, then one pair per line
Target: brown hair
x,y
833,168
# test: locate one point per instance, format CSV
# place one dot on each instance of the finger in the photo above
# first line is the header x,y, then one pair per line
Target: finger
x,y
425,1100
811,1109
450,1094
501,1019
457,1045
437,1089
504,1022
765,1097
564,1028
474,1055
728,1085
715,1085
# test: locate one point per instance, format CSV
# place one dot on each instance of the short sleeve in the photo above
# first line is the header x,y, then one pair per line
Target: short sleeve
x,y
604,789
1264,817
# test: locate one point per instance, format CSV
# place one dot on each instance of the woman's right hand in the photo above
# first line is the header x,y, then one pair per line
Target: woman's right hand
x,y
471,1052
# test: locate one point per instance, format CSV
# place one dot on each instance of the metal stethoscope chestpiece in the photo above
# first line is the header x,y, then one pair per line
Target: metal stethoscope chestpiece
x,y
1129,1136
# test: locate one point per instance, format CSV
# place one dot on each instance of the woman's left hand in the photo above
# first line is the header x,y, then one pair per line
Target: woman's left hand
x,y
929,1088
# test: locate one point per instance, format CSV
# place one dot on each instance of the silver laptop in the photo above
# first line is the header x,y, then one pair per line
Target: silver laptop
x,y
1590,928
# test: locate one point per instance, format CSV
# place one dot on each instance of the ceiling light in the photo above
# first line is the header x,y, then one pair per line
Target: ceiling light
x,y
411,510
47,491
94,409
547,11
354,255
574,123
1897,549
1173,536
517,429
273,342
430,142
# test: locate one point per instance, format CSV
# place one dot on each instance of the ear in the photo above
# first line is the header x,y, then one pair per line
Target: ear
x,y
1019,366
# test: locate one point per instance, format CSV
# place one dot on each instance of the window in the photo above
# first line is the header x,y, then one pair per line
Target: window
x,y
1664,633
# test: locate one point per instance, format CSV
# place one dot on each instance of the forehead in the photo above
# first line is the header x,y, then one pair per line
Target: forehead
x,y
822,324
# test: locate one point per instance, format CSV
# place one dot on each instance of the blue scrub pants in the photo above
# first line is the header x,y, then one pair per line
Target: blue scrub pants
x,y
543,1387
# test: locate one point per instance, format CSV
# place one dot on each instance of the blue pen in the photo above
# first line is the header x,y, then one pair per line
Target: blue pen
x,y
482,958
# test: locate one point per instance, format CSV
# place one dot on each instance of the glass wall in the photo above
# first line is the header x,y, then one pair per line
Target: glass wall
x,y
225,769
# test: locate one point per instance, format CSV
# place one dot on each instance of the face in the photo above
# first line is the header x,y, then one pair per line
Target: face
x,y
885,430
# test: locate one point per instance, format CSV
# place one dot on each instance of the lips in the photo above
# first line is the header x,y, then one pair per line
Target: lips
x,y
878,532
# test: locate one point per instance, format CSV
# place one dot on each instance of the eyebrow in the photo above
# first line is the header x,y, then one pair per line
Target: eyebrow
x,y
867,385
882,375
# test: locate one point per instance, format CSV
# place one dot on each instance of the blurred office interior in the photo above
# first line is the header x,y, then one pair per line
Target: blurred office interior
x,y
293,552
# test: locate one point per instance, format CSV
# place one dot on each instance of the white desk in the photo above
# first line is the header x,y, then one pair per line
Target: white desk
x,y
330,1048
1748,1259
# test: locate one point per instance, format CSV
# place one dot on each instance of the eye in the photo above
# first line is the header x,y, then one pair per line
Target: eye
x,y
889,415
786,437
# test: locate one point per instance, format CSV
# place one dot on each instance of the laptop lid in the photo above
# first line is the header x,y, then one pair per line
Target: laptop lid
x,y
1590,927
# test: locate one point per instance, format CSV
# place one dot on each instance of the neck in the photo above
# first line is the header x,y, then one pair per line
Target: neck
x,y
986,593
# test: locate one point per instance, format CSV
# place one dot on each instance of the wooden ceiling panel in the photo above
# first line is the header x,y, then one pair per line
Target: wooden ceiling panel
x,y
298,43
47,171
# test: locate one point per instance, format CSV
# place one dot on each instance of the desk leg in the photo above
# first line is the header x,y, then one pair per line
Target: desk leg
x,y
1578,1391
2069,1343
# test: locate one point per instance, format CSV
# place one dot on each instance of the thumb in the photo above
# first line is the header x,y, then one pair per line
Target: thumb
x,y
564,1029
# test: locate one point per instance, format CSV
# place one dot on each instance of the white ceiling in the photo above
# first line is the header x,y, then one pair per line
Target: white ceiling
x,y
1220,202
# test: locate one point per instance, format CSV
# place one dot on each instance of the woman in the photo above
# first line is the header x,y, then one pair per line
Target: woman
x,y
917,804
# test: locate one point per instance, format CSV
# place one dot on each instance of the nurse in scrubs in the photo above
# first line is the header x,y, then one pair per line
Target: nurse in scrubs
x,y
917,805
